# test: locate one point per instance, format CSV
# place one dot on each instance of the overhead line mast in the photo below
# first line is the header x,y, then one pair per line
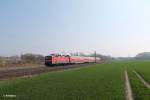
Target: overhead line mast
x,y
95,56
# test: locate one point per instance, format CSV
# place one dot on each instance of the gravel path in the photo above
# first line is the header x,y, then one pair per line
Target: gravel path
x,y
11,73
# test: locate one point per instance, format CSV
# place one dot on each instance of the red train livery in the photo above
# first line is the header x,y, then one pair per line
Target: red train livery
x,y
66,59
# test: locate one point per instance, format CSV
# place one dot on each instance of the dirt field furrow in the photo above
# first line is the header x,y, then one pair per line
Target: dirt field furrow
x,y
129,94
146,84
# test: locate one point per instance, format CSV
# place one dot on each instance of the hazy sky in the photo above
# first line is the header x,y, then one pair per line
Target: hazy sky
x,y
111,27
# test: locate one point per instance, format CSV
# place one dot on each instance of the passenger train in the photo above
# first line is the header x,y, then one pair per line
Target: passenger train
x,y
54,59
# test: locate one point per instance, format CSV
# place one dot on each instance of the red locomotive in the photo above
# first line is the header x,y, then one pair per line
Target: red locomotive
x,y
66,59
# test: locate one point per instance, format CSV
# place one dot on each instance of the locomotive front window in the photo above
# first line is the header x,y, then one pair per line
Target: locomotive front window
x,y
48,57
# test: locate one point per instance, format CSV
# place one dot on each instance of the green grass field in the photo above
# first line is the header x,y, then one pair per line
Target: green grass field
x,y
98,82
143,68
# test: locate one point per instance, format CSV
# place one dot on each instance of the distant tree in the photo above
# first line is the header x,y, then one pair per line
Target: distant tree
x,y
32,58
82,54
74,54
144,55
102,57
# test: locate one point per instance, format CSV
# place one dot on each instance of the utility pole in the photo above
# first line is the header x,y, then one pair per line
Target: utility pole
x,y
95,56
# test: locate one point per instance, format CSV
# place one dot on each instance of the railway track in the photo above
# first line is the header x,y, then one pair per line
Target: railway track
x,y
12,73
